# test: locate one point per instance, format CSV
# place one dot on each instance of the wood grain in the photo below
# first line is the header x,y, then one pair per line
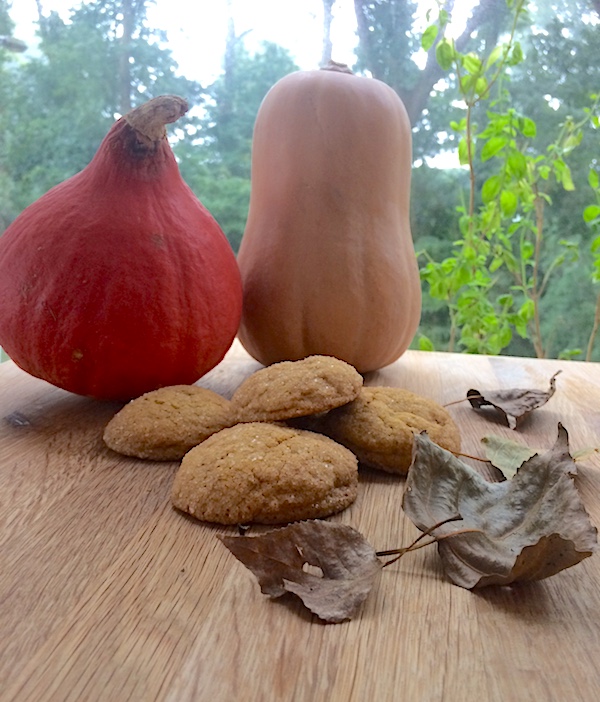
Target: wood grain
x,y
107,593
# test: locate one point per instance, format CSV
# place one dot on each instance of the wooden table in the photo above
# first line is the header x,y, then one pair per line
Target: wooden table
x,y
107,593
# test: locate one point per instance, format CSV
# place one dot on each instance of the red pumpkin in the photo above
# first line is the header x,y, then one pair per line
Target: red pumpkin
x,y
119,281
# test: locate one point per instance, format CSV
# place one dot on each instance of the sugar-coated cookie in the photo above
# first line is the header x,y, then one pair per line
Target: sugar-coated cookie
x,y
265,473
380,424
165,424
295,388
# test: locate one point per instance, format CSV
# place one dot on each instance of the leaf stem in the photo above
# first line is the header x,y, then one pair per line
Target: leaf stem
x,y
415,546
596,325
464,399
399,552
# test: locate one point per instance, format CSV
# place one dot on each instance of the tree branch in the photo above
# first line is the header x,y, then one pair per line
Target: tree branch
x,y
416,99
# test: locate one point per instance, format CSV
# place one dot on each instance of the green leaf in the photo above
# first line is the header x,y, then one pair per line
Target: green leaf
x,y
463,152
425,343
517,164
517,54
492,147
571,248
573,141
491,188
591,213
566,178
472,64
496,263
445,54
504,338
593,179
495,56
463,276
527,250
544,172
508,203
528,127
521,327
527,310
466,83
569,355
429,37
481,86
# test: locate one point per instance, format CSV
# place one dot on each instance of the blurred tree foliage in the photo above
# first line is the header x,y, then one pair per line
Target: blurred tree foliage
x,y
215,160
61,101
58,102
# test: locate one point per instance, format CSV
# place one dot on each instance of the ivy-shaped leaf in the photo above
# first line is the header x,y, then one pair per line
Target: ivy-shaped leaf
x,y
527,528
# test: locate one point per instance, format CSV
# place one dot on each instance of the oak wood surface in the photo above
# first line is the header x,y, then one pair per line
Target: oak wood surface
x,y
107,593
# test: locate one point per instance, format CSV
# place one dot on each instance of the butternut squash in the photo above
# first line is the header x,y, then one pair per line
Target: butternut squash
x,y
327,259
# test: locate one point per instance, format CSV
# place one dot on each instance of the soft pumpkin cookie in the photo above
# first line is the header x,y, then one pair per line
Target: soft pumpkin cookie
x,y
265,473
165,424
379,426
289,389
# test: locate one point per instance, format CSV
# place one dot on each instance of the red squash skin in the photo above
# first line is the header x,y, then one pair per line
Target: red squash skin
x,y
118,281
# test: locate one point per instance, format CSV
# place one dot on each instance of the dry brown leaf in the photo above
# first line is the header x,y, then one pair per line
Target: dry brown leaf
x,y
527,528
278,559
513,404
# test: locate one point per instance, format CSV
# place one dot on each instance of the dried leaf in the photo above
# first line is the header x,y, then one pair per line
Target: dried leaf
x,y
513,404
278,559
527,528
508,456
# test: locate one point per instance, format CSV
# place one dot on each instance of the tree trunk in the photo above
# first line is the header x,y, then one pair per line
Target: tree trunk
x,y
128,24
327,20
416,98
42,19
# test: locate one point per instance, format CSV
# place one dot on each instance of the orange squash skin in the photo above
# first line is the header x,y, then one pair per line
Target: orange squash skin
x,y
327,259
118,281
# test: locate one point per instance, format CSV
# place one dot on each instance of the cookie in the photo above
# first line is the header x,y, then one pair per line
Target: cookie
x,y
295,388
380,424
165,424
267,474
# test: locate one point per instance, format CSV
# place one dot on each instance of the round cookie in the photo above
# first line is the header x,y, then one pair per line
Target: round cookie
x,y
165,424
379,427
267,474
289,389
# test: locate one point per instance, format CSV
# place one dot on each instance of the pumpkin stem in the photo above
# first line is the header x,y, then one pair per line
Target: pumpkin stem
x,y
150,118
335,66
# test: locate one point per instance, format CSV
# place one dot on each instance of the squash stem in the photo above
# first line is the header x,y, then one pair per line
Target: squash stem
x,y
150,118
337,67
